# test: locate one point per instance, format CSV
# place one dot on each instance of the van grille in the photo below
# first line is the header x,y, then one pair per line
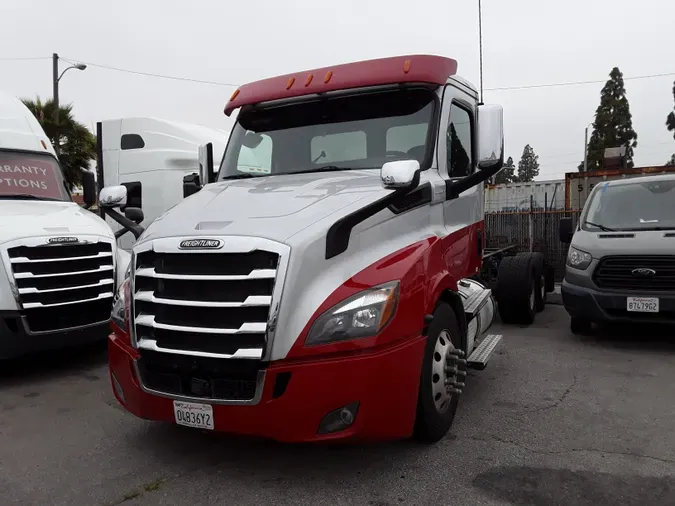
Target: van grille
x,y
622,272
201,320
64,286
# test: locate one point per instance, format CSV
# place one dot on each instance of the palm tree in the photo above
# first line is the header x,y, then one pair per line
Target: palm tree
x,y
77,144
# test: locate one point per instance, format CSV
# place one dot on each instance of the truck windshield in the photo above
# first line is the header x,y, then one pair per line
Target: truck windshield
x,y
634,206
31,176
361,131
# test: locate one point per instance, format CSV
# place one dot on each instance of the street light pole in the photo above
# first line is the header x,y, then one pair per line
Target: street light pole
x,y
586,150
55,84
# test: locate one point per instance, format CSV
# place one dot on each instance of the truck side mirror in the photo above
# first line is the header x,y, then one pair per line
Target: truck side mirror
x,y
490,126
135,214
400,174
113,196
88,188
490,139
191,185
566,231
206,172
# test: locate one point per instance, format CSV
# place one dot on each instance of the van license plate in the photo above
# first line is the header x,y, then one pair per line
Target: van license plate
x,y
192,414
642,304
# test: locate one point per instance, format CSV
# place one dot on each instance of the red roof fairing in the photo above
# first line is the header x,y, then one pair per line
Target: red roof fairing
x,y
394,70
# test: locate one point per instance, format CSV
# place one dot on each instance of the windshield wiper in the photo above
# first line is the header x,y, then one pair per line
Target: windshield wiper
x,y
25,196
325,168
601,227
245,175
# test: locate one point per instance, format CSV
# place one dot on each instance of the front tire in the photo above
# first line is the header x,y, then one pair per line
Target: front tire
x,y
580,326
443,362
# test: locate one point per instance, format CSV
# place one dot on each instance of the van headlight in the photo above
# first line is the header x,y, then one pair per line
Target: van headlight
x,y
578,259
361,315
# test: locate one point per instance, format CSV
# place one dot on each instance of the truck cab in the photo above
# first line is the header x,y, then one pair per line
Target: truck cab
x,y
58,261
150,157
330,292
620,265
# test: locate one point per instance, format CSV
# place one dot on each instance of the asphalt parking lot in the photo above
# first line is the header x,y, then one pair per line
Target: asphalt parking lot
x,y
554,420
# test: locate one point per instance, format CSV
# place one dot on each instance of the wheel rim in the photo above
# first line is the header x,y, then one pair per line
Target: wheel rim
x,y
444,372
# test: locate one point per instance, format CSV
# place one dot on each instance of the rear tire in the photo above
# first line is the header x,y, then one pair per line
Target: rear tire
x,y
581,326
539,274
436,410
517,289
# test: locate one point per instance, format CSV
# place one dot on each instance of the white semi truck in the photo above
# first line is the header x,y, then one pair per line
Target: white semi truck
x,y
338,288
59,265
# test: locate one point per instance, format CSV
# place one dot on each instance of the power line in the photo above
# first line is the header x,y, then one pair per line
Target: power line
x,y
149,74
503,88
576,83
23,58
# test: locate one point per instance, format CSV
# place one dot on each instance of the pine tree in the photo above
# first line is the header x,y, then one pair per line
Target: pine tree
x,y
671,162
507,174
528,166
670,120
613,125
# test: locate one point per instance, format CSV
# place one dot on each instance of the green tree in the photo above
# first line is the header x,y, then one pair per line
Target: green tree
x,y
671,162
670,120
528,166
77,143
507,174
613,125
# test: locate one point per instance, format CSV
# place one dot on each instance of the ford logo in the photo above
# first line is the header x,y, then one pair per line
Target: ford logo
x,y
201,244
643,272
62,240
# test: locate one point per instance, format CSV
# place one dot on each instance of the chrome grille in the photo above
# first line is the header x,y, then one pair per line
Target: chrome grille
x,y
63,286
216,303
617,272
202,317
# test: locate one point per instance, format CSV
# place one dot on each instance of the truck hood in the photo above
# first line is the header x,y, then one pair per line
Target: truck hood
x,y
271,207
29,218
647,242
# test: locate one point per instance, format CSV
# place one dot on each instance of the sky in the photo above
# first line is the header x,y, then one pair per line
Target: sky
x,y
525,43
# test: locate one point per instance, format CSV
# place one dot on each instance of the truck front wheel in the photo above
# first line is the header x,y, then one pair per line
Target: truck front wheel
x,y
442,377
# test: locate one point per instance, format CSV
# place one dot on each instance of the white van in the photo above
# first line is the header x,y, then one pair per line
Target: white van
x,y
58,261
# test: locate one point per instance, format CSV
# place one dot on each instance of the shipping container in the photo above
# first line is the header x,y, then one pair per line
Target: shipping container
x,y
515,197
578,185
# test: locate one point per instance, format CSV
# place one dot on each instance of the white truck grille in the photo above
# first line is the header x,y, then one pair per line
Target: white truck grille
x,y
203,320
63,286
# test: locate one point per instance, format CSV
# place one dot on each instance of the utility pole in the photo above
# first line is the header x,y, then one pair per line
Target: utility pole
x,y
55,83
586,150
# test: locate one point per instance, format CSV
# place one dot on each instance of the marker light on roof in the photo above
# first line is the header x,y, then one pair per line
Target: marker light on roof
x,y
406,66
309,79
329,74
234,95
290,83
43,144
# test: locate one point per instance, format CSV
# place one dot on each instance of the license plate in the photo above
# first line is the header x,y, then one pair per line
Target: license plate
x,y
192,414
642,304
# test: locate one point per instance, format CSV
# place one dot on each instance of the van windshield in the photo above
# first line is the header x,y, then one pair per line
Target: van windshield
x,y
634,206
361,131
29,176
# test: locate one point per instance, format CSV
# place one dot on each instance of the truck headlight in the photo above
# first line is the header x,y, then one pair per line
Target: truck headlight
x,y
361,315
578,259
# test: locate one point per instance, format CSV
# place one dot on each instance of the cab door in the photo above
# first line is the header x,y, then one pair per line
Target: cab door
x,y
457,158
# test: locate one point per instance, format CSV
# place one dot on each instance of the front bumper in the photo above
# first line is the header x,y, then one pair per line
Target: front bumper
x,y
610,306
15,340
384,382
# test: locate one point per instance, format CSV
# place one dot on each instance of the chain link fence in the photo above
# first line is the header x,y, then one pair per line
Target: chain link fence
x,y
530,231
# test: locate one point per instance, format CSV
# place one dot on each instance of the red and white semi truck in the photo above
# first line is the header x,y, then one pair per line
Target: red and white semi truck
x,y
333,292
